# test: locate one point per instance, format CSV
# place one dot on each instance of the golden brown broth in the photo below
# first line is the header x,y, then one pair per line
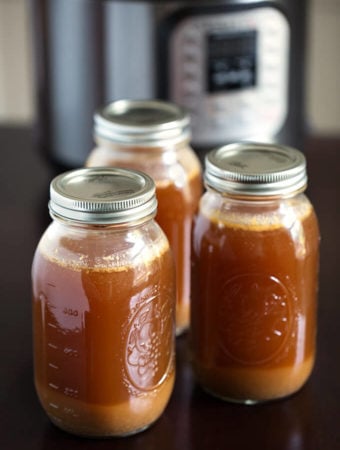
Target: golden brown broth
x,y
254,304
255,384
176,207
177,203
95,420
103,341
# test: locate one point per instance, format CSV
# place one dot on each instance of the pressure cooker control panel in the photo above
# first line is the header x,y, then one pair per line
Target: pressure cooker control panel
x,y
230,70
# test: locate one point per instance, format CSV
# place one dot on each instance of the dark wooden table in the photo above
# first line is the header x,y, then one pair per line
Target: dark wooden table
x,y
309,420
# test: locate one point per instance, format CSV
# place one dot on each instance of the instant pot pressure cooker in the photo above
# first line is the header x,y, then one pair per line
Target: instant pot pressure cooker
x,y
236,65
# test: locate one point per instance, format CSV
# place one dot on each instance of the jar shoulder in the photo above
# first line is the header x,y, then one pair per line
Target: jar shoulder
x,y
252,214
161,164
103,247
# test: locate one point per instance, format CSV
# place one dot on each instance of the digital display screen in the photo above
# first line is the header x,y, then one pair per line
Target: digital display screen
x,y
231,60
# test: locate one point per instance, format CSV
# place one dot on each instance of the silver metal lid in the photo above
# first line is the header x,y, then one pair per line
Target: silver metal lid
x,y
255,169
142,122
102,195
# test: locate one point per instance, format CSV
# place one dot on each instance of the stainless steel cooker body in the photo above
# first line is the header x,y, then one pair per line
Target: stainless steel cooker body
x,y
237,66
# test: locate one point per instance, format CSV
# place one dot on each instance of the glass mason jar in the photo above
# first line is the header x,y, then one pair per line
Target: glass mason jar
x,y
254,274
103,305
153,136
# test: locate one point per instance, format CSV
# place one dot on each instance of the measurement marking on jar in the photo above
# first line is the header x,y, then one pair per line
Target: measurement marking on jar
x,y
53,386
70,312
53,405
52,346
71,392
71,412
51,325
51,284
71,352
50,305
53,366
